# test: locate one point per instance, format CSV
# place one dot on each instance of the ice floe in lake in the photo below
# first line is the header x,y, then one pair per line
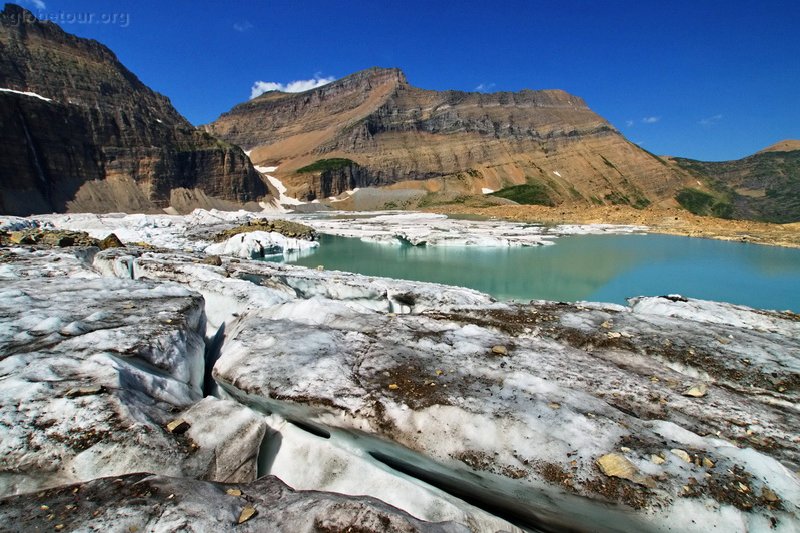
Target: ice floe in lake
x,y
439,230
258,244
192,232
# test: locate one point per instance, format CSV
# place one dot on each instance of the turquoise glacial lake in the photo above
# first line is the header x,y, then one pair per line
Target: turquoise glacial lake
x,y
603,268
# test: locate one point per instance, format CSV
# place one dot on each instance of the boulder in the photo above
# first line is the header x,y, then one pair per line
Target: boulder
x,y
112,241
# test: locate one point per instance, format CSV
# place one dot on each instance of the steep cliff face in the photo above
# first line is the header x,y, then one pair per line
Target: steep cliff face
x,y
78,131
447,142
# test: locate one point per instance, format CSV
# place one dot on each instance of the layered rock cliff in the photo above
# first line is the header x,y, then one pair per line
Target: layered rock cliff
x,y
448,142
80,132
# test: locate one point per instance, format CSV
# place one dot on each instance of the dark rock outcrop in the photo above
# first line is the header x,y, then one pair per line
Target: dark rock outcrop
x,y
96,138
333,181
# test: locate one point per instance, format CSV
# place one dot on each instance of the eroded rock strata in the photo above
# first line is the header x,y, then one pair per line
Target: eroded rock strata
x,y
80,132
373,128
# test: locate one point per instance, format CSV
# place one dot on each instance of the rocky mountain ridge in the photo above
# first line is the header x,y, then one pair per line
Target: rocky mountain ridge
x,y
764,186
388,132
80,132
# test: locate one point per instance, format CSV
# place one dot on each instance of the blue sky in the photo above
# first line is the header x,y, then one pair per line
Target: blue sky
x,y
705,79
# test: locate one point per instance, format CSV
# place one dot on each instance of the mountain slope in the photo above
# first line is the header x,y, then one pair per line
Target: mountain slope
x,y
764,186
380,130
96,138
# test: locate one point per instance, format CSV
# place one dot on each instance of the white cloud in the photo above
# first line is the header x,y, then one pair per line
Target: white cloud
x,y
629,123
297,86
709,121
650,120
38,4
242,27
483,87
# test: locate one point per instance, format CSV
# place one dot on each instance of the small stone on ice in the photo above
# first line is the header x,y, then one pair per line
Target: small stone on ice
x,y
769,495
696,391
247,513
614,334
178,426
554,405
708,463
615,465
84,391
606,324
234,492
499,350
657,459
682,454
393,386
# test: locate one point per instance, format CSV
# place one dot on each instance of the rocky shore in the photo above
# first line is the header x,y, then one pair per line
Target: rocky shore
x,y
670,221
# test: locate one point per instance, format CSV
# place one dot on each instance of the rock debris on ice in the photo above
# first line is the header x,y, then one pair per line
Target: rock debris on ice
x,y
156,503
436,399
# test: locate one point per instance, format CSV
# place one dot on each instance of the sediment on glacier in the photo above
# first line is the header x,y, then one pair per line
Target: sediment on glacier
x,y
437,400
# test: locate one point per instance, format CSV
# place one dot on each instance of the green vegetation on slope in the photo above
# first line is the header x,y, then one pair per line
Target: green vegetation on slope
x,y
323,165
764,186
702,203
529,193
617,198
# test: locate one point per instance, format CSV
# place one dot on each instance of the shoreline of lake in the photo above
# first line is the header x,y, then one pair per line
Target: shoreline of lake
x,y
667,221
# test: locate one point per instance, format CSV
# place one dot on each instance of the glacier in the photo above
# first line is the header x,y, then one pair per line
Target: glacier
x,y
458,409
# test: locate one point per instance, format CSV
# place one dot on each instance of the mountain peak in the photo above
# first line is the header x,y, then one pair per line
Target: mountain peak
x,y
380,130
786,145
366,79
379,73
10,10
